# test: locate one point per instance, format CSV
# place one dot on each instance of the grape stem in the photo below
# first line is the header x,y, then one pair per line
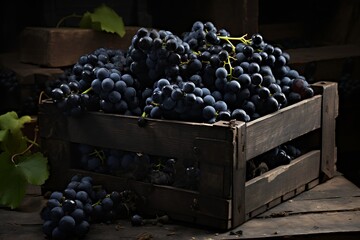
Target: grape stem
x,y
242,39
74,15
41,96
87,90
33,142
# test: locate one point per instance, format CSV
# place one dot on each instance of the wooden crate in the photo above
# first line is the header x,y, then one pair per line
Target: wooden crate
x,y
224,199
61,47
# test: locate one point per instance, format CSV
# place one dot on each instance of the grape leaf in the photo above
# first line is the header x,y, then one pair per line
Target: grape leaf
x,y
34,168
104,19
11,121
3,135
85,21
15,141
18,165
12,182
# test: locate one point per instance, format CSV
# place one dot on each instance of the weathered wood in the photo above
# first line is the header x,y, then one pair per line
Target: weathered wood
x,y
27,73
238,178
301,226
60,47
335,220
281,180
330,110
123,132
59,155
337,187
315,206
159,200
282,126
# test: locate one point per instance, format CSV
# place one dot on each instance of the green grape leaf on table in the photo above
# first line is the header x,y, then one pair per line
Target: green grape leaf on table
x,y
103,19
18,165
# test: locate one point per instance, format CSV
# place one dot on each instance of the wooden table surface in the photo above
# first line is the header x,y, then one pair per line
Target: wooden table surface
x,y
330,210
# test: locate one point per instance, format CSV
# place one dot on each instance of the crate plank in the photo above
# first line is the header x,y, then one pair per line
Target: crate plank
x,y
160,199
61,47
262,136
239,178
330,110
281,180
27,73
179,136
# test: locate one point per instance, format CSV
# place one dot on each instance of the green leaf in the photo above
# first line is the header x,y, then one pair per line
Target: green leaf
x,y
3,134
12,182
11,121
15,141
85,21
34,168
104,19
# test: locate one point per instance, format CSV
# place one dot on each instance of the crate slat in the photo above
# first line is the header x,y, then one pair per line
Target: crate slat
x,y
281,180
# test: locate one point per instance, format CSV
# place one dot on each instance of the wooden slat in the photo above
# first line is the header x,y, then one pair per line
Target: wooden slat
x,y
62,47
168,138
330,111
281,180
325,225
166,199
27,73
336,187
282,126
59,156
238,178
315,206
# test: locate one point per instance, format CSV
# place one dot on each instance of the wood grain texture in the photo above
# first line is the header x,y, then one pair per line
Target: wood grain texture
x,y
282,126
281,180
330,110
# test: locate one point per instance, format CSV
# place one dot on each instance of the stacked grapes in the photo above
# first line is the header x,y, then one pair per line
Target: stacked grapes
x,y
68,214
204,75
8,81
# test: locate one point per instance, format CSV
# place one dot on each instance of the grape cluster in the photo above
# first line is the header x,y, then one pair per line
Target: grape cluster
x,y
8,81
271,159
96,82
243,80
68,214
204,75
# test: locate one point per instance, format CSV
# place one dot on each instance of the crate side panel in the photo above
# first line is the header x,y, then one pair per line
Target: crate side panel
x,y
281,180
158,137
215,158
282,126
165,199
57,152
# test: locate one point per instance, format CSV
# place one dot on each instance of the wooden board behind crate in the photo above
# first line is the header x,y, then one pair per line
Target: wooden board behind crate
x,y
224,200
60,47
27,74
